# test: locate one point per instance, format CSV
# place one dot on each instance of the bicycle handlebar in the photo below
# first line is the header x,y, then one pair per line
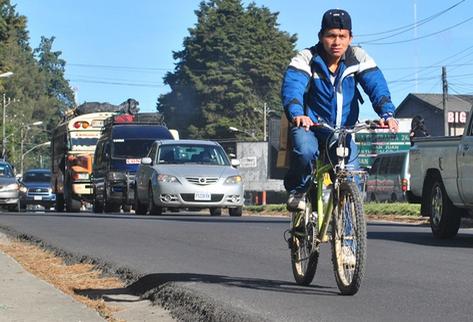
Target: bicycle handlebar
x,y
368,124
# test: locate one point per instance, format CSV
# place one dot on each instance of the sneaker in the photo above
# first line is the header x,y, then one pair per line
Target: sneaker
x,y
296,201
349,258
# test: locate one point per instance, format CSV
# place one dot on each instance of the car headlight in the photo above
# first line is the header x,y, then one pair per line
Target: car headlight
x,y
233,180
167,178
23,189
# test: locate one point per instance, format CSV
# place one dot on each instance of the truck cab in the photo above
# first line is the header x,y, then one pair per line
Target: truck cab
x,y
125,139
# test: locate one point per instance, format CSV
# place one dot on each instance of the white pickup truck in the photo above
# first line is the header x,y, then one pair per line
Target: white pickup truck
x,y
441,170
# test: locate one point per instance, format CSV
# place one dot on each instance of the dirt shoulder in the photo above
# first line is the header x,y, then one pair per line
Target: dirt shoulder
x,y
107,295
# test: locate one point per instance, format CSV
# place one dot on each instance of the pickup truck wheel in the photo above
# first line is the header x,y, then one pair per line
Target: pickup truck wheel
x,y
444,216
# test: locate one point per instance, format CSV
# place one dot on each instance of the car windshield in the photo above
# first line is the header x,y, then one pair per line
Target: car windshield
x,y
6,171
37,177
192,153
131,148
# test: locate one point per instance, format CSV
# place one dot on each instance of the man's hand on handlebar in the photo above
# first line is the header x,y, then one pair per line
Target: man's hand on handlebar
x,y
303,121
390,123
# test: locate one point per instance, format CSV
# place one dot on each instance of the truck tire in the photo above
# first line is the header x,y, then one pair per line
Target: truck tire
x,y
72,205
97,206
59,206
109,206
445,218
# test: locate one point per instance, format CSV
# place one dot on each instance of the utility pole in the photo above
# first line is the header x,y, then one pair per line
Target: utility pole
x,y
265,125
4,140
444,99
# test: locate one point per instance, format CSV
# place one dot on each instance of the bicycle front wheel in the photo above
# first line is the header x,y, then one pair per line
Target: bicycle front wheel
x,y
304,253
349,239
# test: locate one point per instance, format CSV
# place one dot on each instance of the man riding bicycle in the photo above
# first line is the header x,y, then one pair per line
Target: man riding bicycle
x,y
321,83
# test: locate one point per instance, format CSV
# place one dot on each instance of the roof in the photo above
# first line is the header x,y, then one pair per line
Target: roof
x,y
200,142
140,131
454,102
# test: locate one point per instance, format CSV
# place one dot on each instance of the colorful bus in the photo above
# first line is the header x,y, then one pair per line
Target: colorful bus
x,y
72,150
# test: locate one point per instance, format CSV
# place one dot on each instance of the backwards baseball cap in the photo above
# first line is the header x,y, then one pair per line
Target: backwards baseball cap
x,y
336,18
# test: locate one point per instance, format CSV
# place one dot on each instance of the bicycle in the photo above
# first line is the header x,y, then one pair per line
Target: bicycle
x,y
342,208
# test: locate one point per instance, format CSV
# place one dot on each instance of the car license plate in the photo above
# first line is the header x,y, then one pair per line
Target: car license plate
x,y
205,196
38,198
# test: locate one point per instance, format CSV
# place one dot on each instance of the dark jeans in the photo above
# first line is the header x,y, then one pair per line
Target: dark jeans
x,y
305,150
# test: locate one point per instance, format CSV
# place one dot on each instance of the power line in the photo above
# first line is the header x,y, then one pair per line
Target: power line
x,y
418,38
120,67
117,83
442,62
410,26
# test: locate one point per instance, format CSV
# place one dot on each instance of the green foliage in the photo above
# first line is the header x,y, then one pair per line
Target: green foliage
x,y
232,63
38,89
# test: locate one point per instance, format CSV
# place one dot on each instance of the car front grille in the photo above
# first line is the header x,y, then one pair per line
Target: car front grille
x,y
38,191
202,181
190,197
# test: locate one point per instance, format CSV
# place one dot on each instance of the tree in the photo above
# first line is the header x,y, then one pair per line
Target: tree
x,y
53,67
38,86
232,63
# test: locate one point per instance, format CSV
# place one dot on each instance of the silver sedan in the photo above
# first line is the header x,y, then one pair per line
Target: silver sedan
x,y
191,174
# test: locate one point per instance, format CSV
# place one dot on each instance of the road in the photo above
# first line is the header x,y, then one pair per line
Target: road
x,y
238,267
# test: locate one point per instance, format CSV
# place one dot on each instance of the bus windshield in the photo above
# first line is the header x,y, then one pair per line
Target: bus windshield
x,y
83,143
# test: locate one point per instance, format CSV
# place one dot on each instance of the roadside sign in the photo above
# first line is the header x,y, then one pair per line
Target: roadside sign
x,y
371,143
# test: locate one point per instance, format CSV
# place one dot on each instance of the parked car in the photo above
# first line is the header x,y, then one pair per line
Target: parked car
x,y
388,178
8,187
36,189
192,174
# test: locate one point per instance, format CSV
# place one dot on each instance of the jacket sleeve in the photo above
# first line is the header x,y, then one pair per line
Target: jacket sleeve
x,y
375,86
295,81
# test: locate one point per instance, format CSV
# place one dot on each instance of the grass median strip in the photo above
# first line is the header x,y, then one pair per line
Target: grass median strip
x,y
376,211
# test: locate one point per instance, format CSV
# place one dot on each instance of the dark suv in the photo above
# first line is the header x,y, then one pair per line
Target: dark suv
x,y
35,189
124,140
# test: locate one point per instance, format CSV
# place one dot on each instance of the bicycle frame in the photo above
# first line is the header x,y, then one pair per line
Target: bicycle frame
x,y
324,211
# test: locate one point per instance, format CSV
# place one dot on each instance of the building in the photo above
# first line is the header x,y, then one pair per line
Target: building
x,y
430,107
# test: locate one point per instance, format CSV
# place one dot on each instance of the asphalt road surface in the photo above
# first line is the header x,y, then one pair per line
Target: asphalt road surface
x,y
238,268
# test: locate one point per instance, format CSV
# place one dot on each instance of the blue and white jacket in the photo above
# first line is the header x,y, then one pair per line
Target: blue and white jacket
x,y
333,97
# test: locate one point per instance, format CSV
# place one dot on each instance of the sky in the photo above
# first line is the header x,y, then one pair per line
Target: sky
x,y
121,49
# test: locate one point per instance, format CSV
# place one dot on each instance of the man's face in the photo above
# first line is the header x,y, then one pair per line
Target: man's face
x,y
336,42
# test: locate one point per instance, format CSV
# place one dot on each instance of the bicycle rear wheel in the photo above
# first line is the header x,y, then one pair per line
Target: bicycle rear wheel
x,y
304,253
349,239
